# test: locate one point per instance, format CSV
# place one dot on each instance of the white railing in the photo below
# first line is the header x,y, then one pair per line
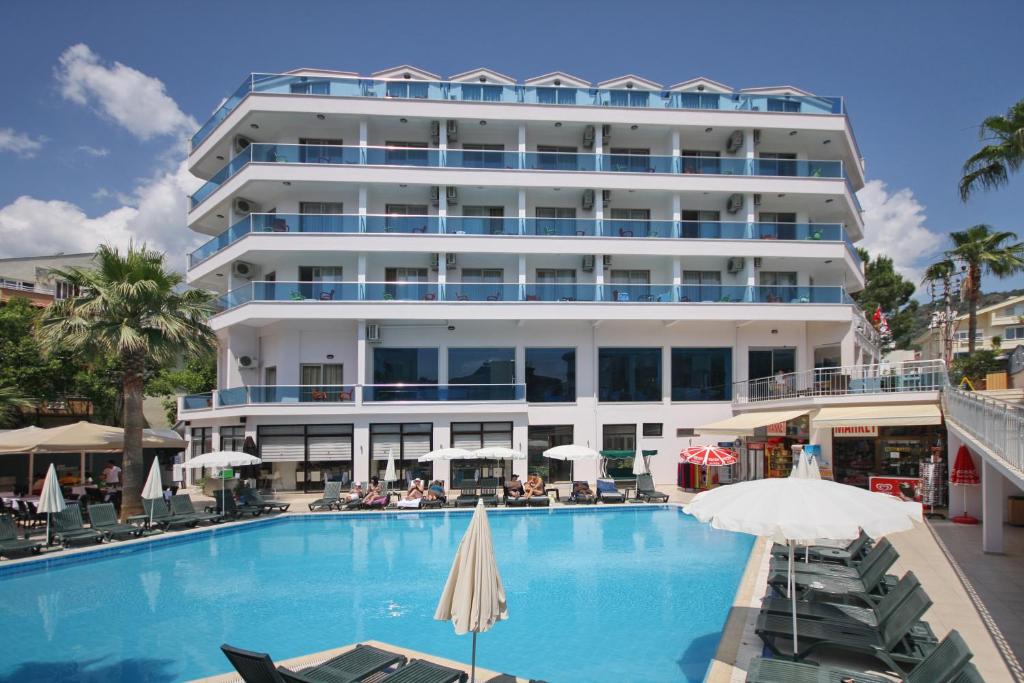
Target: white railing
x,y
847,380
997,425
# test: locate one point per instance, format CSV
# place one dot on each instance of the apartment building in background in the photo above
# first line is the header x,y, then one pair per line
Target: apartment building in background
x,y
1004,320
31,277
407,262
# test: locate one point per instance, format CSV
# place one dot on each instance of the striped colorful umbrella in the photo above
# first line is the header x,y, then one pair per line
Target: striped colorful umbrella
x,y
709,456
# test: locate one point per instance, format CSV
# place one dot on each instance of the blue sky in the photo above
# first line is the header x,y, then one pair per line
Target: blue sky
x,y
90,148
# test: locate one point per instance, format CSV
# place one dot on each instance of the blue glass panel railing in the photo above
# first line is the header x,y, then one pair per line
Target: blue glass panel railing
x,y
304,154
402,156
481,225
220,177
713,230
197,401
546,95
799,168
410,225
638,163
561,227
481,291
629,228
444,392
637,293
700,165
712,293
559,291
814,232
798,295
560,161
472,158
401,291
330,393
306,222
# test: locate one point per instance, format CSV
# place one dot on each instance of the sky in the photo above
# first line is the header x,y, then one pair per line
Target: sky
x,y
99,98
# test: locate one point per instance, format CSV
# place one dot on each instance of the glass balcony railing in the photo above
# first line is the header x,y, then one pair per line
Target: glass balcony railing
x,y
352,394
551,292
328,393
443,392
268,153
633,228
481,225
561,227
409,225
323,86
197,401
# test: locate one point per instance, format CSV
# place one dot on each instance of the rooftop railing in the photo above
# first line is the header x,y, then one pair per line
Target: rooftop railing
x,y
847,380
353,394
334,155
999,426
325,86
533,292
338,224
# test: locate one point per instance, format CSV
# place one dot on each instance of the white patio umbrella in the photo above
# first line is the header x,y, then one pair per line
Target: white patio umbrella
x,y
473,598
447,454
389,474
51,499
572,452
222,459
639,463
498,453
154,487
793,509
806,468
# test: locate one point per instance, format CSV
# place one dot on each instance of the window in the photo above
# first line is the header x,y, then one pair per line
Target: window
x,y
403,153
270,375
629,98
701,224
701,161
557,158
540,439
556,95
784,105
766,362
631,223
629,374
321,382
701,374
778,286
630,285
476,435
780,226
406,442
555,220
408,88
696,100
315,216
554,284
701,285
485,275
634,159
477,155
411,366
964,335
682,432
776,163
321,151
321,453
315,282
305,87
64,290
232,438
202,440
480,92
619,438
653,428
1014,333
407,283
483,226
550,375
483,366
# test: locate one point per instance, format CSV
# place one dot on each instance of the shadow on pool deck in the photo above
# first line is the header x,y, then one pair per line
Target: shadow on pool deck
x,y
693,664
94,671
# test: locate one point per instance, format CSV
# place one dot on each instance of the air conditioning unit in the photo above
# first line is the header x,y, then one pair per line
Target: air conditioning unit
x,y
735,203
735,265
757,200
246,362
450,261
373,333
435,262
735,142
757,262
606,260
243,269
451,193
606,134
588,137
453,130
606,198
588,199
435,132
240,143
243,206
435,195
588,264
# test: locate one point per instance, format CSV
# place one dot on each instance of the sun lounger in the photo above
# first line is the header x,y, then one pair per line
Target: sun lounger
x,y
331,499
883,554
607,492
69,529
354,665
467,496
646,492
867,587
891,642
947,662
421,671
103,518
489,492
515,501
854,552
10,544
181,506
225,501
157,514
255,498
579,497
538,501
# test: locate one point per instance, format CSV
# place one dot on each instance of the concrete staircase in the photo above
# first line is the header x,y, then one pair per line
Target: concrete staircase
x,y
1014,396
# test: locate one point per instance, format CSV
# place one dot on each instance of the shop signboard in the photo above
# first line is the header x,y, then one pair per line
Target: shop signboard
x,y
856,431
904,488
777,429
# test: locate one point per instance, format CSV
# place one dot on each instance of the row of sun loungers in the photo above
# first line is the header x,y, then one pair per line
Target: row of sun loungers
x,y
847,603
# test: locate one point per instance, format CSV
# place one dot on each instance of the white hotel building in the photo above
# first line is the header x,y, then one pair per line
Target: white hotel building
x,y
409,263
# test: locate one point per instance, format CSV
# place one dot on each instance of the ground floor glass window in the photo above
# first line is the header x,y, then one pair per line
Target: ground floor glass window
x,y
539,439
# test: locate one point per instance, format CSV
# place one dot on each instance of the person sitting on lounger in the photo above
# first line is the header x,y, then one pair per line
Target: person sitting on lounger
x,y
515,487
373,491
534,486
356,492
581,489
415,491
435,491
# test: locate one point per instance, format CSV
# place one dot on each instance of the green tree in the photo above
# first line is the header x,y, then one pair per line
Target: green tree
x,y
1002,153
975,366
978,251
198,374
131,308
886,288
11,403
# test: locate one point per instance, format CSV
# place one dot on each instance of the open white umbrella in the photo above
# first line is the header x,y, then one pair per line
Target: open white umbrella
x,y
473,598
389,474
154,488
51,499
572,452
498,453
222,459
447,454
640,463
793,509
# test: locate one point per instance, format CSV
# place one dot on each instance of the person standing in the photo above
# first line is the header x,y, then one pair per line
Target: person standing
x,y
112,474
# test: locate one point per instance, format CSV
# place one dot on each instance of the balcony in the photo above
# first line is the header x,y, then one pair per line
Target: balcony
x,y
526,227
352,395
279,84
536,292
852,381
530,161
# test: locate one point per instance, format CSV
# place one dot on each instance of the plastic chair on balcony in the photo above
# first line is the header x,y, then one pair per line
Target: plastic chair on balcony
x,y
422,230
461,296
327,296
625,233
429,296
494,297
279,225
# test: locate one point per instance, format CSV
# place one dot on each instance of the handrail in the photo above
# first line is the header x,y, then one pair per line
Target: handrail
x,y
848,380
997,425
355,394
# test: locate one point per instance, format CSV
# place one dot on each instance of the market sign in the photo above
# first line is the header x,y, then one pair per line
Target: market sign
x,y
855,431
777,429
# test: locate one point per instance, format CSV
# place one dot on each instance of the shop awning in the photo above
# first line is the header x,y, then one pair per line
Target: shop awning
x,y
879,416
745,423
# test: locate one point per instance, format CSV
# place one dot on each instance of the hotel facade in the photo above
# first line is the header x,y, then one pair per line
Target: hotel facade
x,y
407,262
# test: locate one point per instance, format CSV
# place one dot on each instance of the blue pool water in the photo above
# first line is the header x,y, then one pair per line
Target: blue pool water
x,y
597,595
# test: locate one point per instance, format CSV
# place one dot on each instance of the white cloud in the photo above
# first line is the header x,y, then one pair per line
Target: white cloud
x,y
132,99
21,144
93,151
894,226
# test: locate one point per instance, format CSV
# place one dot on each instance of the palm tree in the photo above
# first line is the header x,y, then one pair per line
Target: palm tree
x,y
11,401
129,307
1003,152
978,251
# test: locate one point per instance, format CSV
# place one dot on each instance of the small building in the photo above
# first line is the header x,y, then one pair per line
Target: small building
x,y
1004,320
31,277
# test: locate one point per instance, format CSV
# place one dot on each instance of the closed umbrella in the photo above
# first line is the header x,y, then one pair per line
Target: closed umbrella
x,y
222,459
778,509
964,474
473,598
639,463
389,474
51,499
805,468
154,487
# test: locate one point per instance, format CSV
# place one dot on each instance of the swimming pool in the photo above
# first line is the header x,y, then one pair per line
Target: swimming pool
x,y
596,595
